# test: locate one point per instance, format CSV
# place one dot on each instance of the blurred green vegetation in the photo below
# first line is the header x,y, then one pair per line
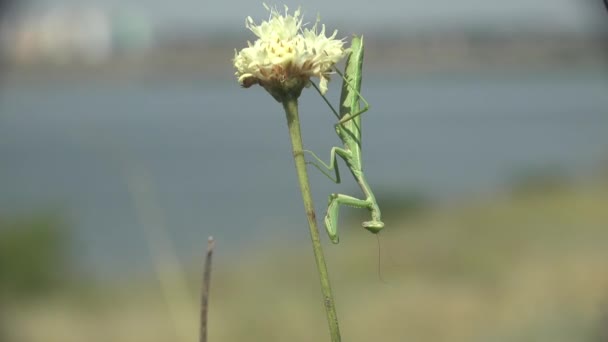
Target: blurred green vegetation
x,y
34,255
538,179
516,266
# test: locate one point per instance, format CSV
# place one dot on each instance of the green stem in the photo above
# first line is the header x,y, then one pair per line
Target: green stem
x,y
290,104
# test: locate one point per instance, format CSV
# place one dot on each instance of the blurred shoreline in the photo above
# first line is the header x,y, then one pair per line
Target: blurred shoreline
x,y
426,52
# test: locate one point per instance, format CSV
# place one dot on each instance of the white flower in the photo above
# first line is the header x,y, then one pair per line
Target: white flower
x,y
286,55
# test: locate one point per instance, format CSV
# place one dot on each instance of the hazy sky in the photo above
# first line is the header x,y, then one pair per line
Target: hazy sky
x,y
569,14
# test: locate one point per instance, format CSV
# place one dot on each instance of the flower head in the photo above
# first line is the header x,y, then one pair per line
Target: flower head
x,y
285,56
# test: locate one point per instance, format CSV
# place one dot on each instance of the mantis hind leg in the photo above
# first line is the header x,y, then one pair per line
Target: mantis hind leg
x,y
333,209
347,117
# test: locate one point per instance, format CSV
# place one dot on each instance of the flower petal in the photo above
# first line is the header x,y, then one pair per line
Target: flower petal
x,y
286,54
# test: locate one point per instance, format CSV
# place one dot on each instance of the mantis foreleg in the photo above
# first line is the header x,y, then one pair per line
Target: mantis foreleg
x,y
331,219
335,200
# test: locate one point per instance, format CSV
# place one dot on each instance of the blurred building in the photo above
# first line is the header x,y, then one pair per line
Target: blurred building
x,y
74,35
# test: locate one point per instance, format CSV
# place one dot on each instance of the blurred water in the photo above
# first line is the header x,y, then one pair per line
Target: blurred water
x,y
219,160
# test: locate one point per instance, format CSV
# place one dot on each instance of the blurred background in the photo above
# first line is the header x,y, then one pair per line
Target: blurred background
x,y
125,141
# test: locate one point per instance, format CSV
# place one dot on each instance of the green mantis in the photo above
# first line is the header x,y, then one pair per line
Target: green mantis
x,y
348,129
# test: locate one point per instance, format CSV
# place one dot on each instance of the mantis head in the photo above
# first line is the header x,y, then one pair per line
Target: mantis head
x,y
373,227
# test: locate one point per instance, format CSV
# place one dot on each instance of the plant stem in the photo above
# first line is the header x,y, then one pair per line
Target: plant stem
x,y
290,104
205,290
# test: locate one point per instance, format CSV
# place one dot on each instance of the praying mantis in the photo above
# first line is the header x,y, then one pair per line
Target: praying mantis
x,y
348,129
